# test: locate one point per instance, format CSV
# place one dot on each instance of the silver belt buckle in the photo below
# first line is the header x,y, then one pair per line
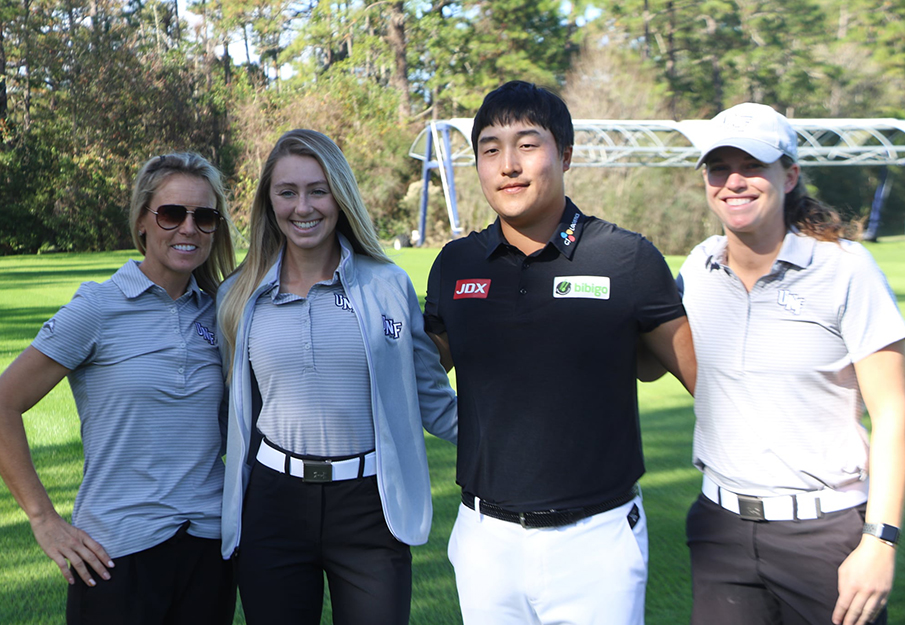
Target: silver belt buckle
x,y
317,471
751,508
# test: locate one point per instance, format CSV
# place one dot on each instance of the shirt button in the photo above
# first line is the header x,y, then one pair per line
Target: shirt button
x,y
523,291
308,346
181,369
172,311
182,344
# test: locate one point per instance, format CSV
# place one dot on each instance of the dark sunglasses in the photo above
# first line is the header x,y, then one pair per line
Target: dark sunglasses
x,y
171,216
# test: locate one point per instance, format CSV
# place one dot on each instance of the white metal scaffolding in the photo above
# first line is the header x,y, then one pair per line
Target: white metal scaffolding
x,y
446,144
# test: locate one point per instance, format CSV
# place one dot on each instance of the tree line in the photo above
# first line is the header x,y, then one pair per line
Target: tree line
x,y
89,89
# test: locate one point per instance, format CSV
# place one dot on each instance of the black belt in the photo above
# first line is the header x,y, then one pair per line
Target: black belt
x,y
549,518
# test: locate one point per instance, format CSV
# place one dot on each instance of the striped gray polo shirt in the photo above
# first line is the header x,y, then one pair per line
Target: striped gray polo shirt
x,y
145,374
777,401
309,360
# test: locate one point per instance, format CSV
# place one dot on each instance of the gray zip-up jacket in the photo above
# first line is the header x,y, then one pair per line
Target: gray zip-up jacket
x,y
409,391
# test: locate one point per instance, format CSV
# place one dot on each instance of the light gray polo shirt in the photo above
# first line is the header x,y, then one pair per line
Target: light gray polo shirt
x,y
145,374
310,363
777,401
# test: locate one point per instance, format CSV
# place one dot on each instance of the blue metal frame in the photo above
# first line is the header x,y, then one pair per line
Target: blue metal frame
x,y
450,186
876,207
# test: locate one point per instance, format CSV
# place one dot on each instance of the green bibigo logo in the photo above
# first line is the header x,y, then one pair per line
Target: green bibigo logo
x,y
581,287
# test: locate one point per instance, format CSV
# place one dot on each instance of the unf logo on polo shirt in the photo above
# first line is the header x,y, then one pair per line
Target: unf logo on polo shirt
x,y
472,288
342,302
790,301
582,287
206,333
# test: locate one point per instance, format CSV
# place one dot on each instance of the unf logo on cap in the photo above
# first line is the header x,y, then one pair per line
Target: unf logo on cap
x,y
739,122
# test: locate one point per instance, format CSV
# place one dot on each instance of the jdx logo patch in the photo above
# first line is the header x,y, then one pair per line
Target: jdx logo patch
x,y
206,334
583,287
391,328
473,288
790,301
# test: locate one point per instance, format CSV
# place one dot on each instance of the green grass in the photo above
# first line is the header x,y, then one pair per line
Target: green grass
x,y
32,288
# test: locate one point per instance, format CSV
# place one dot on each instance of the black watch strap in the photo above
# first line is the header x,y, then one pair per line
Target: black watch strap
x,y
886,533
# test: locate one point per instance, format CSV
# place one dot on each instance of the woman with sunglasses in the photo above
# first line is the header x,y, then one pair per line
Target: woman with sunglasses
x,y
332,381
796,330
140,352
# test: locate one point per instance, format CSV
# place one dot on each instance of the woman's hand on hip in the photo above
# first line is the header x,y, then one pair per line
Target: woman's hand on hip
x,y
62,542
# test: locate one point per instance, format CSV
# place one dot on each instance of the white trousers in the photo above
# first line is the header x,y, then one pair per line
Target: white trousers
x,y
592,572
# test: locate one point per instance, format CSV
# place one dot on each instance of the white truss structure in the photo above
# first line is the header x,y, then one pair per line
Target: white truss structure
x,y
659,143
445,144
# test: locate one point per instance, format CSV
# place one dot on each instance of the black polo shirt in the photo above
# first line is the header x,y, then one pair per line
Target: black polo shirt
x,y
544,350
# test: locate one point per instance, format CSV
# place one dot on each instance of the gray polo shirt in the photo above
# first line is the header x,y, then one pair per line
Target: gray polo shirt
x,y
310,363
145,374
777,401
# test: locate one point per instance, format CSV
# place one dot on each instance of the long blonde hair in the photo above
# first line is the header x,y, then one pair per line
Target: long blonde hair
x,y
222,259
266,238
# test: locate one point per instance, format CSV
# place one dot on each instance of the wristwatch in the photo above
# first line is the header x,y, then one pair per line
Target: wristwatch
x,y
889,534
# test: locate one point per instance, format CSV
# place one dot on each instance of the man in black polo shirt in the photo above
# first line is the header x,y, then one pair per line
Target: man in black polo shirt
x,y
541,314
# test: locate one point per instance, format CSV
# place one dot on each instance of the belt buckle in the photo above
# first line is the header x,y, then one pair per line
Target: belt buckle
x,y
751,508
317,471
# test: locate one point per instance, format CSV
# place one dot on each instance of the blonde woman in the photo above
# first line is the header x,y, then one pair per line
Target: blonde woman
x,y
140,352
331,380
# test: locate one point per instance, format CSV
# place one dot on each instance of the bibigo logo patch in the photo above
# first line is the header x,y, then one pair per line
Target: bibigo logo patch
x,y
584,287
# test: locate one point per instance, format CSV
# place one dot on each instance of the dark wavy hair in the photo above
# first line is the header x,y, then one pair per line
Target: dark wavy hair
x,y
812,217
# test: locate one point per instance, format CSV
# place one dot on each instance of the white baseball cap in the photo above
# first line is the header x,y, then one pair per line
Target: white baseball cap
x,y
755,128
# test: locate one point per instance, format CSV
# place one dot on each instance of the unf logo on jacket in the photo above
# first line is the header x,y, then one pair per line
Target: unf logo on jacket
x,y
391,328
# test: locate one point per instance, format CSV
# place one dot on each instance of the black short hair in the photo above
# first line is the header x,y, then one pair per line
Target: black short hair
x,y
518,100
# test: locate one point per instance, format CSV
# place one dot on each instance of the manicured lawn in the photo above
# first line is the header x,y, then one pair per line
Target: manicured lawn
x,y
32,288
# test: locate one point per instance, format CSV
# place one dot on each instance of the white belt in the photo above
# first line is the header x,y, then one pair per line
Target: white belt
x,y
805,505
317,470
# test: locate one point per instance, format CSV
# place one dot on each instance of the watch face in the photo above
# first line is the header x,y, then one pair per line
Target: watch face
x,y
888,533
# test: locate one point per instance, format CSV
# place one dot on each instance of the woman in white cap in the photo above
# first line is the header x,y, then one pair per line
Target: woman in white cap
x,y
796,330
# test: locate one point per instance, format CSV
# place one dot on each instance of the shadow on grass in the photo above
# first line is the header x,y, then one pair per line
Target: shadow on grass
x,y
19,323
434,598
34,600
19,279
670,486
32,590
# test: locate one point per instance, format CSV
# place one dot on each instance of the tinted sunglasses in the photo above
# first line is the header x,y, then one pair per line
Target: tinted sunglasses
x,y
171,216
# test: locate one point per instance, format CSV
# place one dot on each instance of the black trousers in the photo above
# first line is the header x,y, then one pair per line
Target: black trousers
x,y
181,581
293,532
768,573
